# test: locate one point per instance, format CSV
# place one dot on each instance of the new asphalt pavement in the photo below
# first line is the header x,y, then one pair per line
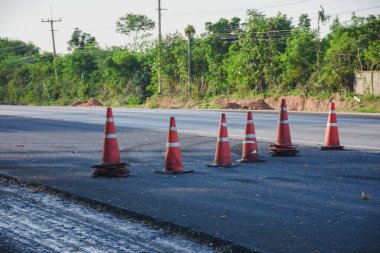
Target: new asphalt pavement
x,y
307,203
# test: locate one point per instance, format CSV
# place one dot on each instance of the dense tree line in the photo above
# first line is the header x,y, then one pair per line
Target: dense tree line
x,y
255,56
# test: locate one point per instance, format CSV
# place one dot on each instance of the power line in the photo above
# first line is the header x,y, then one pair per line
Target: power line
x,y
18,60
353,11
15,50
202,12
6,48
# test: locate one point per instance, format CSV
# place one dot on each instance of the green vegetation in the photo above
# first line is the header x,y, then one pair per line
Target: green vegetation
x,y
262,56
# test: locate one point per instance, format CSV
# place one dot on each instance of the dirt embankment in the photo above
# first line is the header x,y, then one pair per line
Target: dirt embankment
x,y
89,102
294,103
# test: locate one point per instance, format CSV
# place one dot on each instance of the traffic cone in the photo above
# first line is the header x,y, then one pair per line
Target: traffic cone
x,y
332,136
111,166
250,151
222,153
173,159
283,145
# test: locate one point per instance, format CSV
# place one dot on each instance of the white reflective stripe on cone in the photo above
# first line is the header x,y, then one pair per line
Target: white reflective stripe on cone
x,y
332,112
172,128
332,124
172,144
283,109
254,152
109,120
250,136
249,122
222,139
248,142
110,136
224,124
283,122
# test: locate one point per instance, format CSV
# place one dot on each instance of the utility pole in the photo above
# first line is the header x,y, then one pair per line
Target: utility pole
x,y
52,21
159,21
159,47
319,40
189,31
189,67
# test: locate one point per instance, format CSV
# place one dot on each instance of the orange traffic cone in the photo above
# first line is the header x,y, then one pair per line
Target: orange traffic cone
x,y
283,145
250,151
111,165
223,153
332,136
173,159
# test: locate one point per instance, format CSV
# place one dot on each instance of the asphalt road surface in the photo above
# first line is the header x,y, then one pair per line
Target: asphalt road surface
x,y
307,203
306,128
35,222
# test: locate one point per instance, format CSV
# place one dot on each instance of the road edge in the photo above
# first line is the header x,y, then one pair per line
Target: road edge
x,y
212,241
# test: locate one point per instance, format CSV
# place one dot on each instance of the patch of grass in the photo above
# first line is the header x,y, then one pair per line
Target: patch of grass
x,y
133,101
371,98
370,108
274,93
108,104
152,102
238,95
213,107
59,102
322,95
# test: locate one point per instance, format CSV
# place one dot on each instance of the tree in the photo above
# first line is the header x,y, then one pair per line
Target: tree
x,y
80,40
255,64
135,26
220,36
199,67
322,18
173,64
304,22
298,61
189,31
372,55
352,46
260,54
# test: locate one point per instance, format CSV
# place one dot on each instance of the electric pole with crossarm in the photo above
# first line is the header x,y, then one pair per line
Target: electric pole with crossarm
x,y
159,46
52,21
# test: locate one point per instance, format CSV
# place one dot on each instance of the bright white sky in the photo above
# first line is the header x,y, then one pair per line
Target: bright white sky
x,y
21,19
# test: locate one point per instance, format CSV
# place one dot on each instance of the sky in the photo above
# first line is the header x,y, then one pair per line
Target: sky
x,y
21,19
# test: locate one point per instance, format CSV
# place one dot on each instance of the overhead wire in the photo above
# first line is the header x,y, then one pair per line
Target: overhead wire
x,y
227,32
352,11
17,60
100,51
342,6
7,48
202,12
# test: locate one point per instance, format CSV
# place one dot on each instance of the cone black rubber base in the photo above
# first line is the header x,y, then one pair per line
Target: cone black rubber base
x,y
251,161
332,148
284,153
172,172
280,150
110,170
111,173
221,166
110,165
